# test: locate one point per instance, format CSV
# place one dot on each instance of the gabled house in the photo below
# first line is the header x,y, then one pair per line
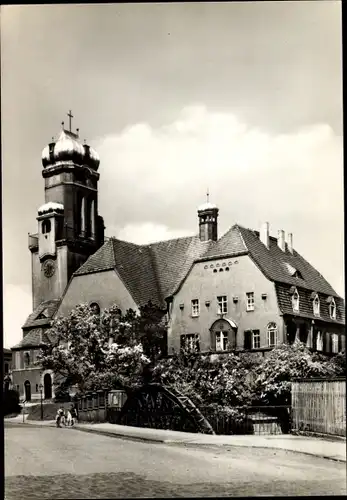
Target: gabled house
x,y
244,291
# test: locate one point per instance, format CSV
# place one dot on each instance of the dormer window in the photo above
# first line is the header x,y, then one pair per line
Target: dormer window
x,y
292,271
295,299
332,307
316,305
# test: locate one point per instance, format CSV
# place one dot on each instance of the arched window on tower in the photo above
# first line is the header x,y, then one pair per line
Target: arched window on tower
x,y
46,226
82,216
92,219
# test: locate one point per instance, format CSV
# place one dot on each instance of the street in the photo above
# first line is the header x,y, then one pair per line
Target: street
x,y
67,463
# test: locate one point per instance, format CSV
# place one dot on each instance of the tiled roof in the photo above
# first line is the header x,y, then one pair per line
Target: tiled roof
x,y
272,262
34,338
155,271
43,314
102,260
173,260
229,244
6,351
150,272
306,306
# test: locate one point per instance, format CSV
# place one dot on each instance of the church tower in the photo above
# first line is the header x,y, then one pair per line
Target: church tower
x,y
208,221
69,227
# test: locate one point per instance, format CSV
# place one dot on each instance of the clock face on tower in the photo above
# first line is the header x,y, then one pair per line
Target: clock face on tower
x,y
48,268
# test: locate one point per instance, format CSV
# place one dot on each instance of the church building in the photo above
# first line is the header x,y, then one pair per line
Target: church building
x,y
243,291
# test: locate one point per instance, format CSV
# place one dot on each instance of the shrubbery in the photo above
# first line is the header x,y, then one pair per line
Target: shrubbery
x,y
81,355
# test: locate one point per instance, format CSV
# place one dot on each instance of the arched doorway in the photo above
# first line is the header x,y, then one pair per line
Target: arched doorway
x,y
223,335
27,390
47,384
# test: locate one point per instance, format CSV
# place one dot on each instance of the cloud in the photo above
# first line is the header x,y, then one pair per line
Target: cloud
x,y
17,307
148,233
157,176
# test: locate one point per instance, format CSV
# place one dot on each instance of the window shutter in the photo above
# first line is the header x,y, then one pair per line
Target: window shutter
x,y
248,340
183,341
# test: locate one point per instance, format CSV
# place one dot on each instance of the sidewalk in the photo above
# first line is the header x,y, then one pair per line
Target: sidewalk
x,y
320,447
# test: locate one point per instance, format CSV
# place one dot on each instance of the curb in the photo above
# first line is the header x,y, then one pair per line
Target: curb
x,y
335,459
124,436
178,442
188,443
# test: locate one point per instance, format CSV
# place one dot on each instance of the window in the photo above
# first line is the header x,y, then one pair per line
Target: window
x,y
46,226
250,301
82,216
316,305
255,339
37,387
18,361
222,304
92,219
295,301
272,335
221,341
190,342
332,308
334,343
6,367
26,359
195,307
319,341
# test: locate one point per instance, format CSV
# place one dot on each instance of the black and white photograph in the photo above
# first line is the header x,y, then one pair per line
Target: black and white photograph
x,y
173,250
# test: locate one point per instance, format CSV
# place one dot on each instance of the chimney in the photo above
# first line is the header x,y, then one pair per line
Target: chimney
x,y
280,240
264,234
290,242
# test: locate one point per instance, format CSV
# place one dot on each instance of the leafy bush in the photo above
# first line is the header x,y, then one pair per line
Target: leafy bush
x,y
209,380
285,363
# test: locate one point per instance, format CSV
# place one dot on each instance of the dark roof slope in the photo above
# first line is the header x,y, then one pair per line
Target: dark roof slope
x,y
272,262
134,265
34,338
43,314
173,260
306,306
231,243
155,271
150,272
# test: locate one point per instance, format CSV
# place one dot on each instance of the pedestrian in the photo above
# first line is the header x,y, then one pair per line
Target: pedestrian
x,y
73,414
68,418
59,417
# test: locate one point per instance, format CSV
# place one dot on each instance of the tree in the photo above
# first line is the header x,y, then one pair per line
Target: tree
x,y
149,329
210,381
284,363
93,351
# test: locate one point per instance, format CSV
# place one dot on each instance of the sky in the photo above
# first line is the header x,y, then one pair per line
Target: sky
x,y
244,99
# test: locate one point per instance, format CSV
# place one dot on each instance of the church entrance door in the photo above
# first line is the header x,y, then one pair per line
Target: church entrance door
x,y
47,382
27,389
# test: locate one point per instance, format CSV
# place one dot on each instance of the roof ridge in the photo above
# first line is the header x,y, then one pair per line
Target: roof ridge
x,y
171,239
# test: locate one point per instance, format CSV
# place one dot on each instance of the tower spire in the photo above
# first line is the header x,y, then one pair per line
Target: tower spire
x,y
207,195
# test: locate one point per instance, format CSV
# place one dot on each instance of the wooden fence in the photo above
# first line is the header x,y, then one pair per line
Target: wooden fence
x,y
319,406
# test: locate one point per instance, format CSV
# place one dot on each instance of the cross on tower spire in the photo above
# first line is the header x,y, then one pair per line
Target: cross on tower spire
x,y
70,115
